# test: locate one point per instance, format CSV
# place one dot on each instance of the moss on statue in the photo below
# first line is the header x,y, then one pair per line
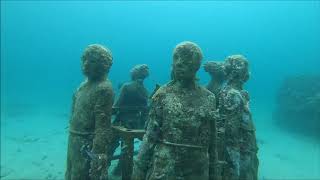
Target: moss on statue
x,y
237,145
90,123
180,141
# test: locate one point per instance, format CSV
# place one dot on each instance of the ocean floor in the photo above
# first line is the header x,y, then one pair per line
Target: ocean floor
x,y
284,155
34,144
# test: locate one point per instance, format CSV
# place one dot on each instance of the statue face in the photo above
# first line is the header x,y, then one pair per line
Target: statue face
x,y
90,68
143,71
186,61
140,71
184,66
215,68
96,61
237,68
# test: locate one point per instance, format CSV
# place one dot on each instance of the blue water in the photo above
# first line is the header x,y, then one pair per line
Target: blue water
x,y
41,45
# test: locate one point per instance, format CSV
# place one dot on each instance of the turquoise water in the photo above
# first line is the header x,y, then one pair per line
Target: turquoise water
x,y
41,45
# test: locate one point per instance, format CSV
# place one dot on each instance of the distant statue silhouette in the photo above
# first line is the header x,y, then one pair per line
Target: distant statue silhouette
x,y
131,106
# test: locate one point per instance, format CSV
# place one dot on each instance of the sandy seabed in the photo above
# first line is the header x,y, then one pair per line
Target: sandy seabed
x,y
34,145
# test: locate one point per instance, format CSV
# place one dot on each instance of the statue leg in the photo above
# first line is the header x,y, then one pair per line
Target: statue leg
x,y
78,164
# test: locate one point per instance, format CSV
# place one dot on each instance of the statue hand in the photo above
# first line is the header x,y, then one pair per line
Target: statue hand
x,y
99,169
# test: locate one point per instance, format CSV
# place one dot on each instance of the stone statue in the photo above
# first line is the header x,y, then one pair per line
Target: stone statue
x,y
131,106
133,99
90,123
239,147
217,73
180,140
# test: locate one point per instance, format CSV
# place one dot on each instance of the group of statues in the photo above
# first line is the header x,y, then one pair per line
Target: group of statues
x,y
191,132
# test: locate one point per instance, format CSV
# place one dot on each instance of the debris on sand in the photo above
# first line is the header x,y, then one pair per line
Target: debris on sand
x,y
24,139
5,171
281,157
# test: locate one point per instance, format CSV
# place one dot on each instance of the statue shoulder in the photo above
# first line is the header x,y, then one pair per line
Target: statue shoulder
x,y
231,98
209,99
205,91
82,85
245,95
162,91
105,87
207,94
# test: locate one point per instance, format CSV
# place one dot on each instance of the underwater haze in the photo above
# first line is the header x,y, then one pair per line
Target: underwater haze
x,y
42,42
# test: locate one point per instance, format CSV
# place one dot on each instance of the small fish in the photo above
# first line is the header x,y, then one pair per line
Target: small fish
x,y
261,141
281,157
91,154
44,157
85,150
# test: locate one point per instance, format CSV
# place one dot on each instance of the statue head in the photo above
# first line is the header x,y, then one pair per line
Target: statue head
x,y
187,58
215,69
139,72
237,68
96,61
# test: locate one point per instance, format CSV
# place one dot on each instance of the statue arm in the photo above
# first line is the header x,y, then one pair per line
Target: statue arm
x,y
232,101
121,97
103,134
72,105
142,164
213,156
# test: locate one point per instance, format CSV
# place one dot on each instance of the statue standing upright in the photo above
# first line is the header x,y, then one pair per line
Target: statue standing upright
x,y
180,141
239,147
90,123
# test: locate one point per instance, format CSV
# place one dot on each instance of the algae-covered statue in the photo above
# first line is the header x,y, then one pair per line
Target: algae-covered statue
x,y
180,140
133,99
132,106
239,143
217,73
216,70
90,123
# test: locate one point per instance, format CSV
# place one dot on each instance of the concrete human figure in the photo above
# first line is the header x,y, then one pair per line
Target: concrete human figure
x,y
217,74
132,106
133,99
180,140
90,123
239,143
216,70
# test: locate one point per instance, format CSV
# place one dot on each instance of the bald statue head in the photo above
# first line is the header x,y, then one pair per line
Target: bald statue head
x,y
187,58
96,61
